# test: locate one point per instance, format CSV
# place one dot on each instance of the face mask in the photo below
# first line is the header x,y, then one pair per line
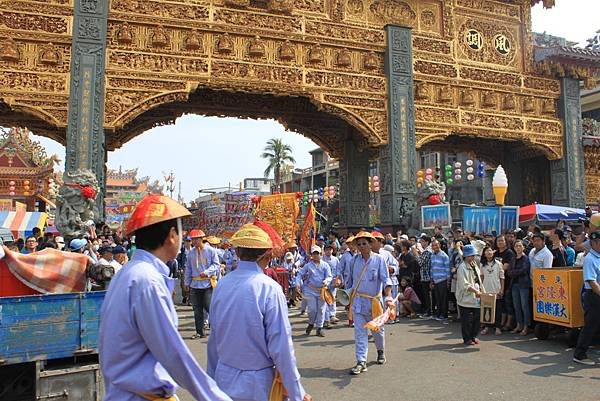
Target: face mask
x,y
95,247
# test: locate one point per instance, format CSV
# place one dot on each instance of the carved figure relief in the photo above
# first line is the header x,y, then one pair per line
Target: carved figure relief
x,y
528,105
125,34
355,7
49,55
287,51
393,11
508,102
467,97
422,91
371,62
256,47
224,44
159,37
9,50
489,99
315,55
549,106
445,94
428,19
344,58
283,6
192,41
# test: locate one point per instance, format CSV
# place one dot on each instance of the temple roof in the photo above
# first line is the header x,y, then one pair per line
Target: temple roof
x,y
18,150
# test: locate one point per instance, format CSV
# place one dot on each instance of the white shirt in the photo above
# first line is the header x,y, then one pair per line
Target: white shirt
x,y
541,259
116,265
492,274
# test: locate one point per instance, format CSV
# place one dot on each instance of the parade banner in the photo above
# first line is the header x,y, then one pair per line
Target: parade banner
x,y
509,218
435,215
280,211
309,229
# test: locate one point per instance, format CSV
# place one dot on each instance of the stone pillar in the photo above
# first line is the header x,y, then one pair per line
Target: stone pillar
x,y
567,175
354,187
85,129
397,161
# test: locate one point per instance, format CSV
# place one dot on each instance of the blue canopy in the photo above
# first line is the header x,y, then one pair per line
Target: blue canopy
x,y
546,213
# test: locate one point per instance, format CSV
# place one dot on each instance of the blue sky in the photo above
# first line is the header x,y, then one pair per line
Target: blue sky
x,y
206,152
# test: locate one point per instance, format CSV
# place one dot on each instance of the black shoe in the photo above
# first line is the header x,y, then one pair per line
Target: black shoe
x,y
184,301
584,360
309,329
359,368
320,333
380,357
326,325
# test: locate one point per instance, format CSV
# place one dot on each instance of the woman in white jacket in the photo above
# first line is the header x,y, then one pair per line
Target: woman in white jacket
x,y
468,291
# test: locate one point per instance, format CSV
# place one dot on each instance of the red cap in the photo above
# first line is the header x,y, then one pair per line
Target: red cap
x,y
196,233
377,235
154,209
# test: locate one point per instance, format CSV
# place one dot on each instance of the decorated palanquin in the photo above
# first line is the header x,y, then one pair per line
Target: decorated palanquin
x,y
26,172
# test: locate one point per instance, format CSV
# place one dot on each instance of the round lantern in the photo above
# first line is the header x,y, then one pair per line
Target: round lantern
x,y
457,171
469,162
457,164
420,180
448,167
448,173
450,181
40,181
11,188
470,170
434,199
458,177
50,180
376,184
11,183
470,177
420,173
429,177
429,171
26,182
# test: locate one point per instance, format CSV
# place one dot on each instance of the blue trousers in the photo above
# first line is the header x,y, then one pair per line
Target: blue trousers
x,y
331,308
520,298
361,336
316,311
394,295
303,304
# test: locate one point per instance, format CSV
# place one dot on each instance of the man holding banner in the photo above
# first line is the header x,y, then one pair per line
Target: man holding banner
x,y
367,281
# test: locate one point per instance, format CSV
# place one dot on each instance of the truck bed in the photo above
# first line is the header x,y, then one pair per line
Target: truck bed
x,y
45,327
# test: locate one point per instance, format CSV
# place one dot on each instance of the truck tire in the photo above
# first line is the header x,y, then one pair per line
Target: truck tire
x,y
542,331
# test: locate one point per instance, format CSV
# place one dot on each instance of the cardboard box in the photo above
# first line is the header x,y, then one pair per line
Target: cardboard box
x,y
488,309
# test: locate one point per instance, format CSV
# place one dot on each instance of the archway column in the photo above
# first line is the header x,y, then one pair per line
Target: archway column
x,y
397,160
354,187
85,129
568,174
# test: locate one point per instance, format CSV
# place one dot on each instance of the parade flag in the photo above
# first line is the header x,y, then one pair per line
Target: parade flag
x,y
280,211
309,228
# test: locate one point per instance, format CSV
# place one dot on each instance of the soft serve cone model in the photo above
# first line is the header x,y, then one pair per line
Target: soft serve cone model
x,y
500,185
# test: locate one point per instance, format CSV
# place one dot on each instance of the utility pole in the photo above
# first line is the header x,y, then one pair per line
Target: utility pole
x,y
169,183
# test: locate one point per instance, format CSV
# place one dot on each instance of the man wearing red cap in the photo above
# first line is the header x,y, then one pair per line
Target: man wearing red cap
x,y
250,350
142,355
202,268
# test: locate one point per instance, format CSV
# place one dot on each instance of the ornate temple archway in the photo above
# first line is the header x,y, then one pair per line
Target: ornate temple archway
x,y
360,77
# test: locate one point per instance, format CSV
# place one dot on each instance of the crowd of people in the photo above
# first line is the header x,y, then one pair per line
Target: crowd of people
x,y
441,276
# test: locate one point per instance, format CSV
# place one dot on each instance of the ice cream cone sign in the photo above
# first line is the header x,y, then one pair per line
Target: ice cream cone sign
x,y
500,185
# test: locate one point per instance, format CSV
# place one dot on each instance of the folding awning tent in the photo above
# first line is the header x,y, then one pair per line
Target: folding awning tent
x,y
21,224
548,213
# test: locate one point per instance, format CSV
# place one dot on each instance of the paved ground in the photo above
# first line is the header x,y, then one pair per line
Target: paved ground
x,y
426,361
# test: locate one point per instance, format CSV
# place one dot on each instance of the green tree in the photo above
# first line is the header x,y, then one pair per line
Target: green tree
x,y
278,154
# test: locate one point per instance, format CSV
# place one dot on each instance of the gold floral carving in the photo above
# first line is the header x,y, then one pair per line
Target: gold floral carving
x,y
393,11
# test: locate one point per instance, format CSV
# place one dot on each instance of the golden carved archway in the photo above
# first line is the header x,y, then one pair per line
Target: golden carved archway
x,y
472,62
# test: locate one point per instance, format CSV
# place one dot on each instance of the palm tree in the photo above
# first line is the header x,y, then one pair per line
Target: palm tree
x,y
278,154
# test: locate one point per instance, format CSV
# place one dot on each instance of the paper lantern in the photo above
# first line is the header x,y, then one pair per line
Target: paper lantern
x,y
457,164
480,174
470,170
448,167
429,177
11,193
469,162
26,182
420,180
420,173
448,173
12,188
458,177
470,177
429,171
50,180
11,183
450,181
457,171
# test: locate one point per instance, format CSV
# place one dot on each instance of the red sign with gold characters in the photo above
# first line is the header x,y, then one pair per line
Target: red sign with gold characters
x,y
557,296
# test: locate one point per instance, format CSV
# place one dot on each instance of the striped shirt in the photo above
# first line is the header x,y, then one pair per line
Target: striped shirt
x,y
440,267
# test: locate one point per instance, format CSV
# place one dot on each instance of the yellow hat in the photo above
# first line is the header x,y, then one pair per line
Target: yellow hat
x,y
364,234
595,219
251,236
213,240
350,239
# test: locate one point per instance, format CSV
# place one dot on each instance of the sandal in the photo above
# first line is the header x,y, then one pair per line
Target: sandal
x,y
484,331
516,330
524,332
